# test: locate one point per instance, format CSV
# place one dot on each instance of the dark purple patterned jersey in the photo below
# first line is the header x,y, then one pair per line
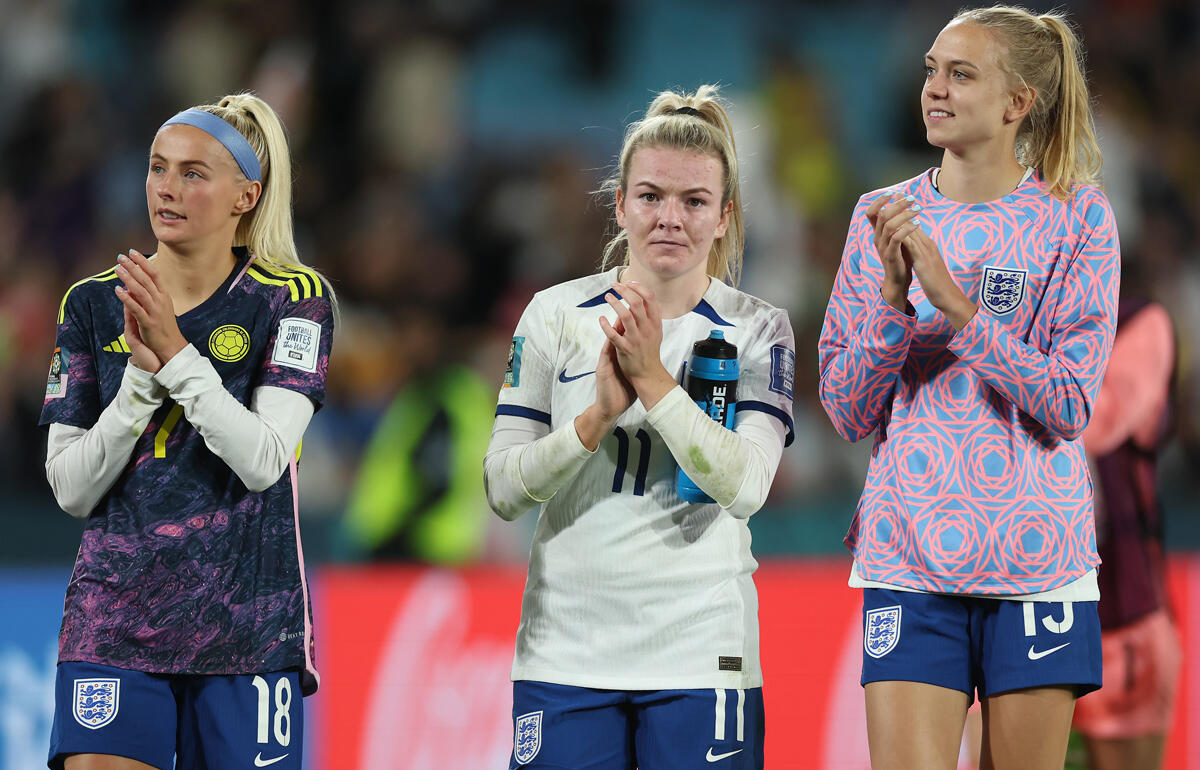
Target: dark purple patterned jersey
x,y
182,569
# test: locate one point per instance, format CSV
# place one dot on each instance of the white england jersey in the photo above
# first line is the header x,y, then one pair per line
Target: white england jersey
x,y
630,587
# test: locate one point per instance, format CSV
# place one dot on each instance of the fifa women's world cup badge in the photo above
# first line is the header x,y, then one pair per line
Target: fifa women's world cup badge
x,y
229,343
96,701
56,380
882,632
512,374
1002,289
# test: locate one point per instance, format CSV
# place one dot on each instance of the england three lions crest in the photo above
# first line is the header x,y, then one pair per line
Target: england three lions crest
x,y
1002,290
96,701
882,631
527,741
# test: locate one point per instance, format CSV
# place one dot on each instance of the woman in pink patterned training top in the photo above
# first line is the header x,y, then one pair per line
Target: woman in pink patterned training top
x,y
968,331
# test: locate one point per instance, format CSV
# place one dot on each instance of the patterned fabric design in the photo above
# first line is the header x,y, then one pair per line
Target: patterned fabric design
x,y
977,482
181,569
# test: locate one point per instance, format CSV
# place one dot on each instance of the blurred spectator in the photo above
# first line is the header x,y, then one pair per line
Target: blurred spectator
x,y
439,162
419,492
1126,722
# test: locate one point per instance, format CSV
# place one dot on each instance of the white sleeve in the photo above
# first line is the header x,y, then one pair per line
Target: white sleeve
x,y
526,462
82,465
525,465
256,443
734,468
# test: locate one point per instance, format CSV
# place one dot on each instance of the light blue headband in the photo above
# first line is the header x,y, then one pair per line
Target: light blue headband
x,y
227,135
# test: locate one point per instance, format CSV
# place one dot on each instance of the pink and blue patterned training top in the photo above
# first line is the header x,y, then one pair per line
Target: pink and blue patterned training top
x,y
182,569
977,482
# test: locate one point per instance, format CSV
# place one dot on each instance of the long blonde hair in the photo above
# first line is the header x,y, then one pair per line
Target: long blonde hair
x,y
1058,136
709,132
266,230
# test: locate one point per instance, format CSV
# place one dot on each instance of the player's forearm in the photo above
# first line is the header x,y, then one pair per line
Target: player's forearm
x,y
733,468
1057,389
591,427
257,443
520,473
82,465
859,366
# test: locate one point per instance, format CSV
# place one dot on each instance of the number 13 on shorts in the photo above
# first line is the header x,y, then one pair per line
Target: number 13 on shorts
x,y
1060,641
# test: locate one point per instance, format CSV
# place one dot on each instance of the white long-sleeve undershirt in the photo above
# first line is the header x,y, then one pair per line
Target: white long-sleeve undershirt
x,y
256,442
526,465
82,464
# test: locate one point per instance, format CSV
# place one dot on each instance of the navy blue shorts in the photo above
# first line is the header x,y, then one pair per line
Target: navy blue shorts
x,y
208,722
974,643
558,727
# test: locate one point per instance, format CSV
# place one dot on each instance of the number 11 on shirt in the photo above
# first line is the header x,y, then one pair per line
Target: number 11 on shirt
x,y
639,481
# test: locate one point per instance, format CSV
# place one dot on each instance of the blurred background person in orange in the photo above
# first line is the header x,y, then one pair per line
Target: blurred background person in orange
x,y
1125,723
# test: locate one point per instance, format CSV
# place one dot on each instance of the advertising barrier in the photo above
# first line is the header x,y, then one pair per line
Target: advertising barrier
x,y
415,664
32,600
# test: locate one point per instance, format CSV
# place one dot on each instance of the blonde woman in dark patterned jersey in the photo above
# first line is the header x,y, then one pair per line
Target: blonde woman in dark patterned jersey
x,y
177,396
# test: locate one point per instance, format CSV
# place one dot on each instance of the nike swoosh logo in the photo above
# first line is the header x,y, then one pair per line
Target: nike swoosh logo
x,y
1035,655
260,762
718,757
562,376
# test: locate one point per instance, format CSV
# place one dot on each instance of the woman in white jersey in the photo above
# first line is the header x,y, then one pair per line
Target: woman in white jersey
x,y
638,643
968,331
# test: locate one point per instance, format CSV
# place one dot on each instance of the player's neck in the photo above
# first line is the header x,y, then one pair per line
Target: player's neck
x,y
982,176
191,276
677,295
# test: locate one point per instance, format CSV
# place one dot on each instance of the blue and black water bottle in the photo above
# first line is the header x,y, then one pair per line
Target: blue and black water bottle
x,y
711,381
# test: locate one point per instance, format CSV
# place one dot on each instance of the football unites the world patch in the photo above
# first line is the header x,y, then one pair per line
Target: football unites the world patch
x,y
56,380
1002,289
882,631
512,375
229,343
96,701
527,738
297,344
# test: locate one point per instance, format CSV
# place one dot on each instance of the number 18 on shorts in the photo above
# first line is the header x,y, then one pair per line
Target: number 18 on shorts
x,y
185,722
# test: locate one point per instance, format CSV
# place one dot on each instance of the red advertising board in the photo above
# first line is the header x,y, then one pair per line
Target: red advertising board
x,y
414,667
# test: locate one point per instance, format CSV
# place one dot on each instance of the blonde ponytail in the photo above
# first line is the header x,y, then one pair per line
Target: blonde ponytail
x,y
266,230
1058,136
1072,154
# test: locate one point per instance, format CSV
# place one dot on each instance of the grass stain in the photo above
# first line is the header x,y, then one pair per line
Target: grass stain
x,y
699,460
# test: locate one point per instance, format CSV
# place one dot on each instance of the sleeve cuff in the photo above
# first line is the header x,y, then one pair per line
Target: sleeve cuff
x,y
142,384
971,340
187,367
575,444
882,305
886,327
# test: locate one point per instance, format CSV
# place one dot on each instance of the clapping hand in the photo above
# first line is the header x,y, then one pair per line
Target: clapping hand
x,y
151,330
893,219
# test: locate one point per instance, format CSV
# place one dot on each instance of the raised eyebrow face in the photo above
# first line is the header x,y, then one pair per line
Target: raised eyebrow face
x,y
959,63
648,186
154,156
